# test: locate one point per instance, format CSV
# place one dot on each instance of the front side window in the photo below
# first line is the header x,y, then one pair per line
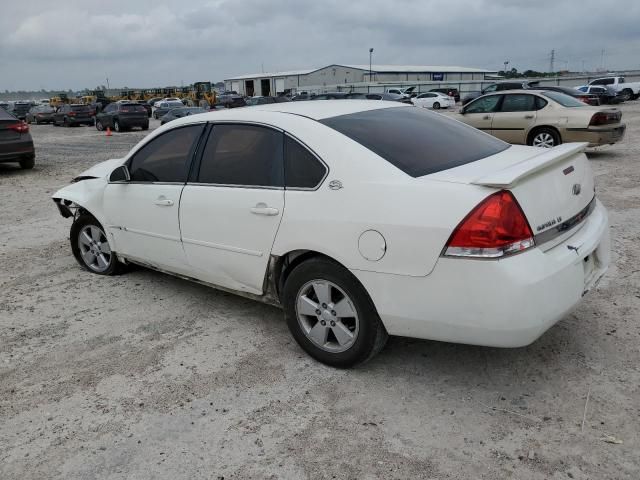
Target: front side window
x,y
301,168
243,155
166,158
484,105
518,103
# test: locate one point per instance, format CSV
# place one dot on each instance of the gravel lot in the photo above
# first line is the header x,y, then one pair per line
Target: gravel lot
x,y
146,376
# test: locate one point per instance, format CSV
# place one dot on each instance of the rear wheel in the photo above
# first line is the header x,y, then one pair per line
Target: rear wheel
x,y
145,126
330,314
90,247
99,126
544,138
116,126
626,94
65,122
436,105
27,163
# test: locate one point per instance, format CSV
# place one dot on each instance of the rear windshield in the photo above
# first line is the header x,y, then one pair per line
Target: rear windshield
x,y
132,107
416,141
80,108
563,99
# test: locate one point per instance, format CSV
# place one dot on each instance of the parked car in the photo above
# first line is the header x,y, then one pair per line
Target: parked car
x,y
16,144
626,90
162,108
4,105
499,87
69,115
166,99
543,118
330,96
449,91
231,100
588,98
405,92
148,108
252,101
388,97
122,116
40,114
180,112
435,100
357,254
20,109
605,94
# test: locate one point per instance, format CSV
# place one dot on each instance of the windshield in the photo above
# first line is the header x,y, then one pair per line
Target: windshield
x,y
564,100
416,141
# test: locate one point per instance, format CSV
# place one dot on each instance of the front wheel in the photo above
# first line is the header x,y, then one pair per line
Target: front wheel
x,y
626,95
91,248
330,314
116,126
544,138
27,163
99,126
436,106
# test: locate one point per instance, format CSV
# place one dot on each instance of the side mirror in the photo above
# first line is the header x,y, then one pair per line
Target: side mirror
x,y
120,175
461,111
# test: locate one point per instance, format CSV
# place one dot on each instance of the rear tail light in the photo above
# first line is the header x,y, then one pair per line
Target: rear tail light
x,y
71,114
605,118
495,228
21,127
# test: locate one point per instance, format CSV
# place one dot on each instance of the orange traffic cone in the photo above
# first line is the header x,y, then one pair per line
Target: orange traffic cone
x,y
108,134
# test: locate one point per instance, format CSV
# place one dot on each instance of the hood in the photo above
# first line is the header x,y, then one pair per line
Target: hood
x,y
102,169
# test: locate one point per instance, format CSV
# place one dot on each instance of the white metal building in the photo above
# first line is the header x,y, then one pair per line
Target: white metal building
x,y
281,82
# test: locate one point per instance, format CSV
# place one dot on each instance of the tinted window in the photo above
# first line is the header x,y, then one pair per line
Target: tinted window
x,y
301,168
416,141
583,89
518,103
79,108
243,155
167,157
131,107
483,105
564,100
540,103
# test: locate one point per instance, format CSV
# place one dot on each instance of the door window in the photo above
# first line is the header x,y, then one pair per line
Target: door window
x,y
484,105
243,155
518,103
166,158
301,168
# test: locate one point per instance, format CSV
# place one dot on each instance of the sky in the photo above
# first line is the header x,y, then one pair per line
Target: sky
x,y
155,43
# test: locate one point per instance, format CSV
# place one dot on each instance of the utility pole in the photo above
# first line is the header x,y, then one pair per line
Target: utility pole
x,y
370,56
553,59
602,60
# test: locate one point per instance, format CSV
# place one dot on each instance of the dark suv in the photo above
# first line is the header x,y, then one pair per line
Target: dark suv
x,y
73,114
16,144
122,116
498,87
20,109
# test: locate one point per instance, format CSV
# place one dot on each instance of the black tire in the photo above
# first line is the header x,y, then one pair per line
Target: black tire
x,y
626,94
538,132
371,336
27,163
85,220
116,126
65,122
145,126
99,126
436,105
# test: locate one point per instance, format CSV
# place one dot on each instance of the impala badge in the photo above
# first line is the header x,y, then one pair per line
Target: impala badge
x,y
577,188
335,184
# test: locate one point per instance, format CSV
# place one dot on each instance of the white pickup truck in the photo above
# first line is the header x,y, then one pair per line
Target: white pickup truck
x,y
626,91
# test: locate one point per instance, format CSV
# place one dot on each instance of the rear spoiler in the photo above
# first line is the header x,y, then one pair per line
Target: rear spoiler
x,y
509,176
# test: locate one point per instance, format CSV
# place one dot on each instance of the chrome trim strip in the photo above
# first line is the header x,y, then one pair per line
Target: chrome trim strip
x,y
202,184
565,226
149,234
218,246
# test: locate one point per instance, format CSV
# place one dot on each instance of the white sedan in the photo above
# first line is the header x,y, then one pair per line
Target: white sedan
x,y
361,219
435,100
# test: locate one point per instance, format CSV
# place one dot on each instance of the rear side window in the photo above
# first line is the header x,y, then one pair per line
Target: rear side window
x,y
301,168
243,155
564,100
416,141
166,158
80,108
518,103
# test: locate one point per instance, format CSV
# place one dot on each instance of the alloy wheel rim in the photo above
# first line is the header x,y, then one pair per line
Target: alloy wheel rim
x,y
327,316
94,248
544,140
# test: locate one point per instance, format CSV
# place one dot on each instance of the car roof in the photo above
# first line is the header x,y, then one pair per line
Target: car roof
x,y
320,110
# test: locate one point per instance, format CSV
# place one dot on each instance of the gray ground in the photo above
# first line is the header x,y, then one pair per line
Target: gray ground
x,y
147,376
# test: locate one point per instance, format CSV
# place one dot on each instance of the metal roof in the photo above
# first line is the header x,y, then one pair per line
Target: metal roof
x,y
374,68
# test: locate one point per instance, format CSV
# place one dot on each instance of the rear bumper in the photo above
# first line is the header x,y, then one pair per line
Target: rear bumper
x,y
17,150
134,122
595,136
505,303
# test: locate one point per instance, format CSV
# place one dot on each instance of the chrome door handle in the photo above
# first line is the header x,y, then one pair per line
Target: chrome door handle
x,y
263,209
528,116
163,202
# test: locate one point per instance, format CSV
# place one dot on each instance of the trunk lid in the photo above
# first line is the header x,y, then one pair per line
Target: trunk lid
x,y
554,187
